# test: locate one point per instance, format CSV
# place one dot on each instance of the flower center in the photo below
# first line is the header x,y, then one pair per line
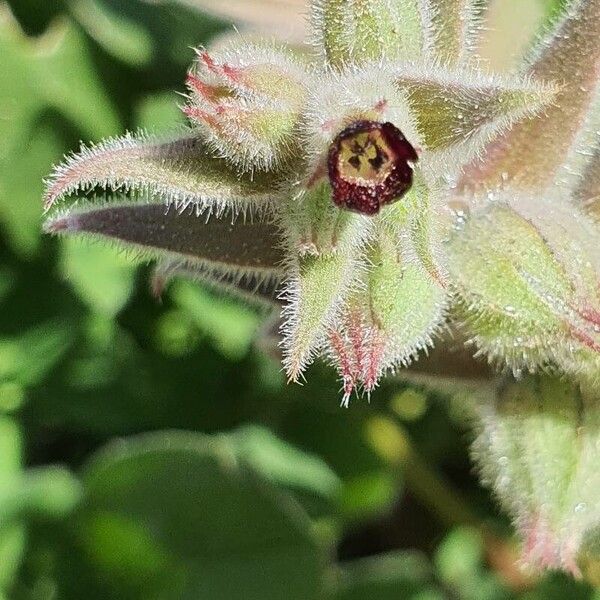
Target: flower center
x,y
370,164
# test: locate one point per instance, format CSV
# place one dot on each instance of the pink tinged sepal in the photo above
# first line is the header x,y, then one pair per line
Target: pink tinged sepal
x,y
243,248
324,247
532,151
393,312
247,99
537,449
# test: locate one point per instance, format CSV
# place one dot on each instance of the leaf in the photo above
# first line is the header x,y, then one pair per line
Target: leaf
x,y
28,358
156,36
531,152
389,576
208,526
101,276
314,293
453,106
355,31
182,172
214,245
451,28
284,464
125,39
325,242
45,80
231,326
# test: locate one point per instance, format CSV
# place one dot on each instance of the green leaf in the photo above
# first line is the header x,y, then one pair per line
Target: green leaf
x,y
41,76
28,358
385,577
230,325
49,492
284,464
102,277
13,544
125,39
156,36
208,526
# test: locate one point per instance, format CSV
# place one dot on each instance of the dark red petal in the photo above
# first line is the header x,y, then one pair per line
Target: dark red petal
x,y
369,166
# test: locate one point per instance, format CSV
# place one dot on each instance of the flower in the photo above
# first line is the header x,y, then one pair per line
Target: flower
x,y
472,194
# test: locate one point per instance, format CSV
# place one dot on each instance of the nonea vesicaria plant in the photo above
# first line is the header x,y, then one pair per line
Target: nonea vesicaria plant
x,y
381,188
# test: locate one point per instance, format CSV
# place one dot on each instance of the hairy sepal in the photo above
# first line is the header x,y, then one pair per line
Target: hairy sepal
x,y
258,287
531,153
246,99
350,32
325,243
451,29
452,106
537,449
392,314
526,275
218,246
182,172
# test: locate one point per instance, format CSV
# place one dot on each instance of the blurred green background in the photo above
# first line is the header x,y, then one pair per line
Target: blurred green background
x,y
148,450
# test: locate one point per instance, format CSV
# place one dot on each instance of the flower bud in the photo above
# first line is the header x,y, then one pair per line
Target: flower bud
x,y
526,272
538,450
247,100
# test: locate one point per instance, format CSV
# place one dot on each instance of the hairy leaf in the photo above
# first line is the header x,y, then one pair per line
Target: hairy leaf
x,y
531,152
182,172
325,242
220,244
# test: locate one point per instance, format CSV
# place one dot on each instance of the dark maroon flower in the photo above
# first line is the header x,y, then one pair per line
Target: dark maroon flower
x,y
369,166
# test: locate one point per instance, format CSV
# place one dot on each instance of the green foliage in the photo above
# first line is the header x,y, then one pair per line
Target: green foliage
x,y
250,489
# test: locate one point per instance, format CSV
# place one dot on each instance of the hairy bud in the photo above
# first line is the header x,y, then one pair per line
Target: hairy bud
x,y
247,100
538,449
527,271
